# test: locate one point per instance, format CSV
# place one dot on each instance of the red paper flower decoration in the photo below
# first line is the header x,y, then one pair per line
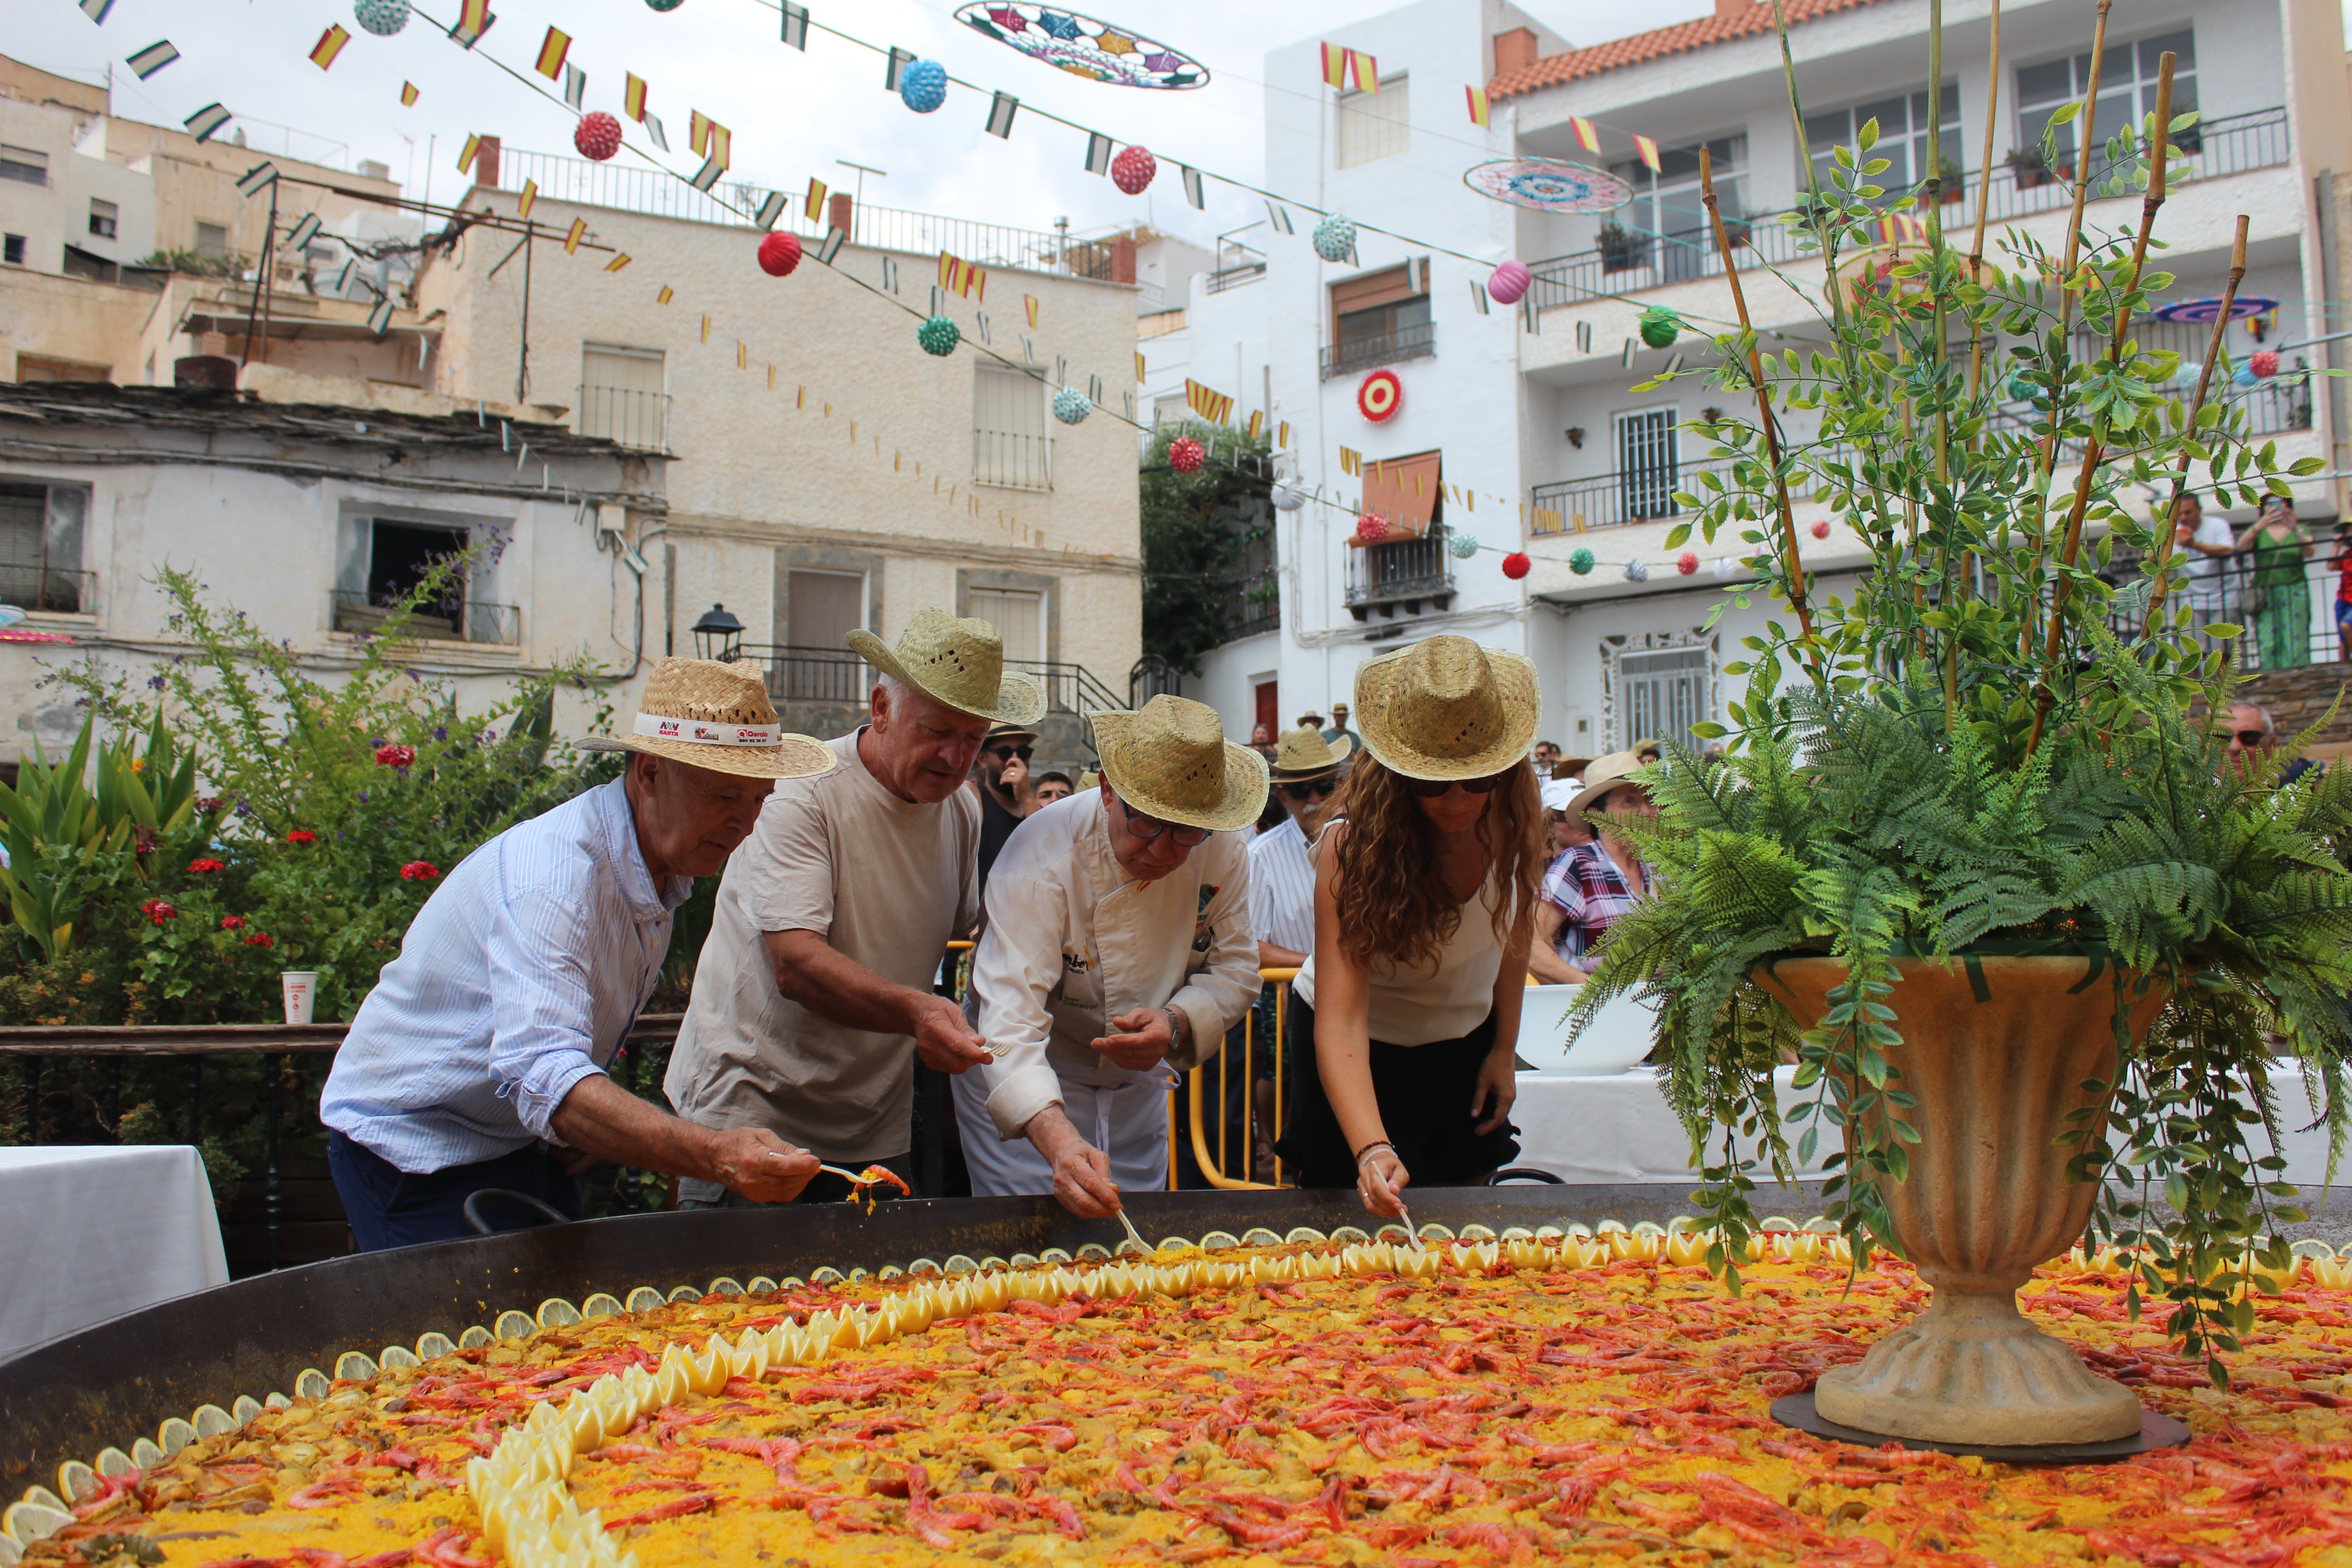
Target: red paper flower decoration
x,y
2264,363
1381,396
1688,563
301,835
1186,454
778,254
1372,528
1821,528
1132,171
598,136
1518,564
395,756
206,866
419,871
159,912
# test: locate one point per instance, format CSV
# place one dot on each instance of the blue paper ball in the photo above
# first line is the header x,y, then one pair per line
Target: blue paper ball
x,y
924,86
1637,571
1071,405
381,17
2244,375
1335,238
1581,561
1464,545
938,336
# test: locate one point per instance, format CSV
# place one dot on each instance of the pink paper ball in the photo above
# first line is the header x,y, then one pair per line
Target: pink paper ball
x,y
1372,528
1186,454
598,136
1132,170
1688,563
2264,363
1509,285
1821,528
778,254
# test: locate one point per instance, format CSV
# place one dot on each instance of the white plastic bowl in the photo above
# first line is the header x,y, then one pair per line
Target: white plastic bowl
x,y
1620,1035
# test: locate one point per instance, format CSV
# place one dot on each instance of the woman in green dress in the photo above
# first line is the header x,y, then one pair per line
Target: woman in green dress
x,y
2283,616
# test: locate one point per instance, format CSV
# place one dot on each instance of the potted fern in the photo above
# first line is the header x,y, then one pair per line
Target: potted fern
x,y
1973,859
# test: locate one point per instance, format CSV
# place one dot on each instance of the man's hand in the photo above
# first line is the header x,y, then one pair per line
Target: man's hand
x,y
756,1164
1145,1042
573,1162
1082,1182
945,1038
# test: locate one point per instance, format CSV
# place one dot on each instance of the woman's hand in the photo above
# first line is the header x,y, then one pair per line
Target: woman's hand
x,y
1381,1182
1499,1084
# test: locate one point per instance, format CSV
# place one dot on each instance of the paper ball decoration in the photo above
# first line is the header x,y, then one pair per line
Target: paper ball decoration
x,y
1071,408
1579,561
1133,169
2242,376
1637,571
1186,454
1660,327
2264,363
1725,568
598,136
381,17
664,5
1688,563
1821,528
1464,545
2186,376
778,254
1288,499
923,85
938,336
1509,283
1380,396
1335,238
1372,528
1518,564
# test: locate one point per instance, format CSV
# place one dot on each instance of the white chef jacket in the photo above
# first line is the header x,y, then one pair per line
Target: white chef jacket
x,y
1072,941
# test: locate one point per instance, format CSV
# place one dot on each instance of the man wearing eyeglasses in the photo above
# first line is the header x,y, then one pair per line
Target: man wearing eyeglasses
x,y
1116,947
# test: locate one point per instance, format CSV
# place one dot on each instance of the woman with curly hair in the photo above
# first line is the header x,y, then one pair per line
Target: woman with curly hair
x,y
1423,913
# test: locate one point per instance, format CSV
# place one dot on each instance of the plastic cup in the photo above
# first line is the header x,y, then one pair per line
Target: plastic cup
x,y
302,989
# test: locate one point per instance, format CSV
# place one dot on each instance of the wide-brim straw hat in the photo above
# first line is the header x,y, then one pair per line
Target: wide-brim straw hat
x,y
1304,755
1570,767
1447,709
1604,775
1170,758
717,716
997,733
960,662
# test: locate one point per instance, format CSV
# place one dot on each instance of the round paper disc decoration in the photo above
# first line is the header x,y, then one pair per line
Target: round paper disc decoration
x,y
1579,561
1288,499
923,85
1518,564
1132,170
1070,406
1660,327
1372,528
1464,545
2264,363
1550,185
938,335
1186,454
1084,46
1509,285
381,17
778,254
1821,528
1381,396
598,136
1335,238
2205,310
1687,564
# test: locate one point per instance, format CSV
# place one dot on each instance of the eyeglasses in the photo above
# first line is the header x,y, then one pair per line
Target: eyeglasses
x,y
1431,789
1006,753
1151,827
2253,737
1316,788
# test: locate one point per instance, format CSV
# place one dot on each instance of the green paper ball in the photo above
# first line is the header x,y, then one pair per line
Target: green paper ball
x,y
1070,406
1335,238
938,336
1580,562
664,5
1464,545
381,17
1660,327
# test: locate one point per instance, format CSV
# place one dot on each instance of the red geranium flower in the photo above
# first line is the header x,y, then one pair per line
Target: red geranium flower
x,y
419,871
261,939
207,865
301,835
230,923
156,909
395,756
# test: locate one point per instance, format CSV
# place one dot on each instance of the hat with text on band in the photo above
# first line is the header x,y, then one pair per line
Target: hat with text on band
x,y
717,716
1304,755
1447,709
956,662
1604,775
1170,758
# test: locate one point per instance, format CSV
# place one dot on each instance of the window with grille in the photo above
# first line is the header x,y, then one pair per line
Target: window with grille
x,y
1902,139
1375,125
1661,693
1647,465
1019,616
40,546
102,218
1010,447
821,609
12,250
2126,90
621,395
1666,213
25,164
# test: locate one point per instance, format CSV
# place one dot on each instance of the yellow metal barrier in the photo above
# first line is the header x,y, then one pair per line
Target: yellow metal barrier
x,y
1219,1168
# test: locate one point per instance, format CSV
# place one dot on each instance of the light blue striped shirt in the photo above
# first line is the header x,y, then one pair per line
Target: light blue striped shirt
x,y
520,977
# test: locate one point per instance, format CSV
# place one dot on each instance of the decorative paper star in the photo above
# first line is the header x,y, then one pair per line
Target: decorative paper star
x,y
1115,43
1005,16
1057,26
1162,61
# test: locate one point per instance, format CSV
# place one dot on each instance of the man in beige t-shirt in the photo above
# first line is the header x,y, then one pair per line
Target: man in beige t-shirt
x,y
832,919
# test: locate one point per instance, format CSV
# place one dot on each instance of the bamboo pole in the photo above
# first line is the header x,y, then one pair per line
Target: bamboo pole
x,y
2196,406
1984,201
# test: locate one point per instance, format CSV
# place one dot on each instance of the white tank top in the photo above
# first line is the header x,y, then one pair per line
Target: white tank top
x,y
1440,1001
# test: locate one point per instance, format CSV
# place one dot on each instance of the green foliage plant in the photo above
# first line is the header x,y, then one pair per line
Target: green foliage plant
x,y
1198,530
65,832
1988,746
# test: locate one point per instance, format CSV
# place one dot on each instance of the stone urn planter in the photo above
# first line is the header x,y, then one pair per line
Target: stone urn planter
x,y
1997,1051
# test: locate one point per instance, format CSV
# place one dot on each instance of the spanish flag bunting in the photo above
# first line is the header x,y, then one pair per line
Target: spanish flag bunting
x,y
772,375
330,44
666,296
742,356
466,154
473,19
571,240
1351,462
1586,136
1029,305
1649,150
408,95
1210,405
529,196
617,262
552,50
1141,373
632,97
1480,114
1366,70
1282,436
1257,423
1335,66
815,205
705,329
711,139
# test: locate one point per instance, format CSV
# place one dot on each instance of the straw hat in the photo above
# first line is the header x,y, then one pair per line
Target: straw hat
x,y
1170,760
1306,754
1570,767
998,733
961,662
1447,709
717,716
1604,775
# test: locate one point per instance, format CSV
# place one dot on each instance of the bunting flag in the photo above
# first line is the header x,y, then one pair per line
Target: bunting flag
x,y
708,175
408,95
575,88
466,154
1141,373
772,208
1367,71
830,245
1097,154
1277,218
1351,462
796,25
255,180
1478,298
890,273
633,96
898,61
708,137
571,240
742,356
330,44
705,329
529,196
618,261
1584,337
1029,307
95,10
473,19
552,50
304,232
1001,110
152,58
380,319
1902,228
1194,193
1212,405
666,296
1481,115
1586,136
962,276
654,129
1282,436
1335,66
1649,152
1257,423
814,206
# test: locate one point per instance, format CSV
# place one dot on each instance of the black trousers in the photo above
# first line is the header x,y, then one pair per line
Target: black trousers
x,y
1424,1095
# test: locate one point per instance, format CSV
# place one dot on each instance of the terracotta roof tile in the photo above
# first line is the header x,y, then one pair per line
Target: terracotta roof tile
x,y
1684,37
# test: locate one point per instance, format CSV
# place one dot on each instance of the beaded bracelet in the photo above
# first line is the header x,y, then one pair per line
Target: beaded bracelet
x,y
1372,1149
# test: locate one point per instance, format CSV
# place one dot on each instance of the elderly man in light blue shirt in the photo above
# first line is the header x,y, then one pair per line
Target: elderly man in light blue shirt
x,y
477,1061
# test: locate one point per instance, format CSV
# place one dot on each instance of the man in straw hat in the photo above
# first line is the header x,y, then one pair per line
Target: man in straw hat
x,y
814,994
1117,947
1003,789
478,1059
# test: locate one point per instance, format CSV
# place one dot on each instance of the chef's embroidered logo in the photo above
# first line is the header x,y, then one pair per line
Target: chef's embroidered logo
x,y
1076,963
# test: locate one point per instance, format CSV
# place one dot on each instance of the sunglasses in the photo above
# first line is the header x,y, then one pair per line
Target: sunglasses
x,y
1431,789
1312,788
1151,827
1006,753
2252,738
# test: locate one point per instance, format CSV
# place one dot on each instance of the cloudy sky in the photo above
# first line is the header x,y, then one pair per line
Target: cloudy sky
x,y
792,115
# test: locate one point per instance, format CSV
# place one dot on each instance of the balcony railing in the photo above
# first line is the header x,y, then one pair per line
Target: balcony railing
x,y
1610,501
1258,604
33,587
1380,348
2287,625
1010,461
838,674
625,415
1639,260
1401,571
464,621
1237,275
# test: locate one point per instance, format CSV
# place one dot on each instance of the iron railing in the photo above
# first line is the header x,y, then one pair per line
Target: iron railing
x,y
2288,626
1380,348
463,621
29,586
838,674
1235,276
1400,569
625,415
1152,676
1258,604
1008,460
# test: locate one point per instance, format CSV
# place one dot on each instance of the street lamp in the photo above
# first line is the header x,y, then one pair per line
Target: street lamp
x,y
719,636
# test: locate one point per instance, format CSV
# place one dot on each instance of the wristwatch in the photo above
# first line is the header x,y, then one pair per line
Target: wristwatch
x,y
1179,1027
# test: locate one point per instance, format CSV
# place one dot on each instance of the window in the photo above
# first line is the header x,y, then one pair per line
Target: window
x,y
621,395
1010,447
12,250
1646,463
1663,693
212,240
1375,125
1381,316
23,164
821,609
102,216
1902,139
1666,209
1019,616
2126,90
385,558
40,546
32,368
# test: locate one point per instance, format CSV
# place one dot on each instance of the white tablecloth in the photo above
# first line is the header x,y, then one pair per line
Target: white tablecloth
x,y
87,1234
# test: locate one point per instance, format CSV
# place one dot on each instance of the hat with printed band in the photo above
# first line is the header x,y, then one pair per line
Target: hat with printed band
x,y
717,716
956,662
